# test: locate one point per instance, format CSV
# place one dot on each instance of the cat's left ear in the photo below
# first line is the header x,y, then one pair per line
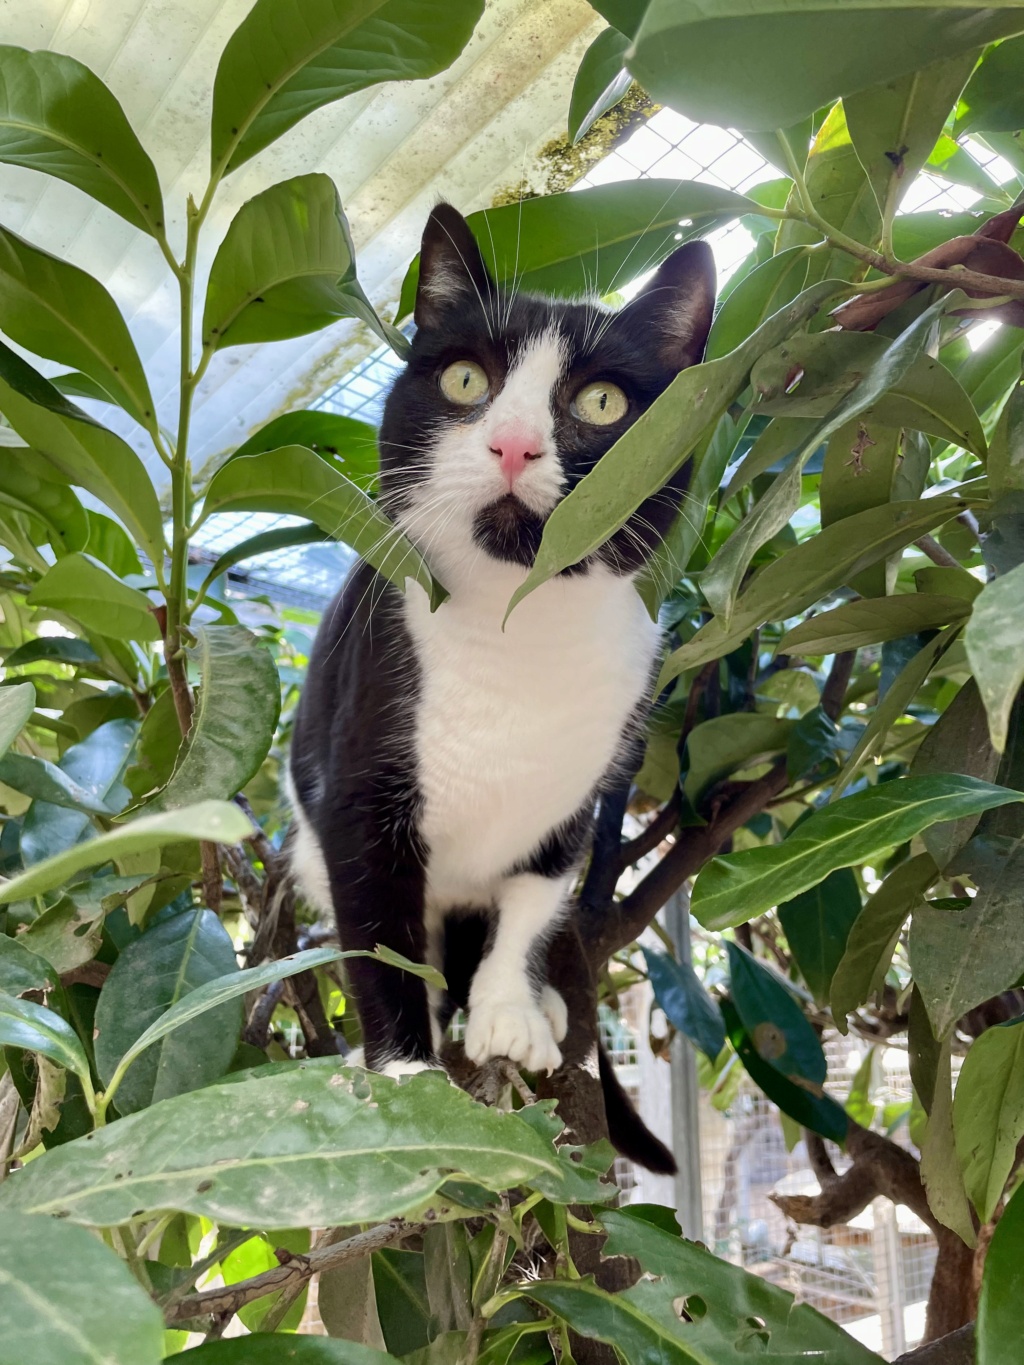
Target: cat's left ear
x,y
452,271
679,302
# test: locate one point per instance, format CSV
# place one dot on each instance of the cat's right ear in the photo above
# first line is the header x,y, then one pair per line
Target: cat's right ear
x,y
452,271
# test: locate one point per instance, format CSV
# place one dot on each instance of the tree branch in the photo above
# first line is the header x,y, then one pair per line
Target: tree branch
x,y
957,1348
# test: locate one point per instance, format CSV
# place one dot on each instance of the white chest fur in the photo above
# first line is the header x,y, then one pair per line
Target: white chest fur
x,y
514,729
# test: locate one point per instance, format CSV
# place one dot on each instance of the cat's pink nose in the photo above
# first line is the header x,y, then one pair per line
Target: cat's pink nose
x,y
514,446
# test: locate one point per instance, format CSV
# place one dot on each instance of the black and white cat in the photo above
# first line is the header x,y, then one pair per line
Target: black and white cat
x,y
444,770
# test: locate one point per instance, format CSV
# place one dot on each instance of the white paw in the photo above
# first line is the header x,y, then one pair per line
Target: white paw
x,y
552,1006
514,1028
403,1066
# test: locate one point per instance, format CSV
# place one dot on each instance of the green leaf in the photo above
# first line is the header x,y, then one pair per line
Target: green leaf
x,y
57,116
44,781
286,267
803,575
60,312
872,941
270,1348
88,455
152,975
235,717
295,480
940,1171
299,1147
896,124
764,64
37,1029
157,749
872,620
344,442
817,925
1002,1289
646,456
774,1019
591,240
17,702
812,741
87,590
718,747
1005,465
686,1003
215,821
733,1315
988,1114
52,648
198,992
995,647
740,886
22,970
957,743
29,482
66,1297
266,543
287,58
601,81
859,1103
993,101
961,958
401,1293
769,287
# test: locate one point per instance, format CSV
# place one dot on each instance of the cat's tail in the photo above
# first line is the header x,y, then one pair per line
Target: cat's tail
x,y
627,1130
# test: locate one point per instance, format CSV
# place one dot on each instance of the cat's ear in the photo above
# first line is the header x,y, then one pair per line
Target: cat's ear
x,y
452,271
679,303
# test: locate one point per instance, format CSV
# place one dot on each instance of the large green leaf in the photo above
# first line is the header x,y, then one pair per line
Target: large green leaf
x,y
22,970
300,1147
44,781
957,743
215,821
150,977
17,702
37,1029
872,620
767,63
872,941
29,482
57,116
87,454
344,442
769,287
86,589
720,746
66,1297
740,886
995,647
729,1316
594,240
60,312
1006,452
236,713
1002,1289
270,1348
940,1170
601,81
994,99
817,925
774,1019
686,1003
289,57
286,267
988,1114
646,456
803,575
295,480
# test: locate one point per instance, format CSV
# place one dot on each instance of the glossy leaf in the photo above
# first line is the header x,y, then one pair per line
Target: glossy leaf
x,y
295,480
872,940
592,240
44,781
817,925
768,287
774,1019
764,64
336,1158
57,116
286,267
29,482
1005,465
1002,1289
60,312
287,58
344,442
152,975
958,742
872,620
17,702
215,821
813,740
940,1171
601,81
87,590
88,455
995,647
686,1003
237,708
22,970
37,1029
993,101
718,747
69,1298
988,1114
266,543
740,886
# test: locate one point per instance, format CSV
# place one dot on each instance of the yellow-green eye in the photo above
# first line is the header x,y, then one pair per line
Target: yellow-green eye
x,y
600,404
465,383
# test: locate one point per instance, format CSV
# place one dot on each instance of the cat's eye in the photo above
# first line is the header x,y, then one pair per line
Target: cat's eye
x,y
465,383
601,404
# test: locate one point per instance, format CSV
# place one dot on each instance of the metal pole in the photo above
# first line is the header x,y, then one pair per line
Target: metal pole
x,y
685,1092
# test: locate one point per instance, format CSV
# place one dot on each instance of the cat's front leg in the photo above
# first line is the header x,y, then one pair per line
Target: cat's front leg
x,y
508,1015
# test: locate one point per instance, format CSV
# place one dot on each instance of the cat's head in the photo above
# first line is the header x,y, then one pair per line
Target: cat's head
x,y
509,399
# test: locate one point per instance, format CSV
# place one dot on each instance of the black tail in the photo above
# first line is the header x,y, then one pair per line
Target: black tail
x,y
627,1130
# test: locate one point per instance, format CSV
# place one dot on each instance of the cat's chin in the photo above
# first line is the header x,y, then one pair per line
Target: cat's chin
x,y
509,530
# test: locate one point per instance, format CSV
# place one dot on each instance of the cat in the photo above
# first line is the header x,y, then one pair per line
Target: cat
x,y
444,768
